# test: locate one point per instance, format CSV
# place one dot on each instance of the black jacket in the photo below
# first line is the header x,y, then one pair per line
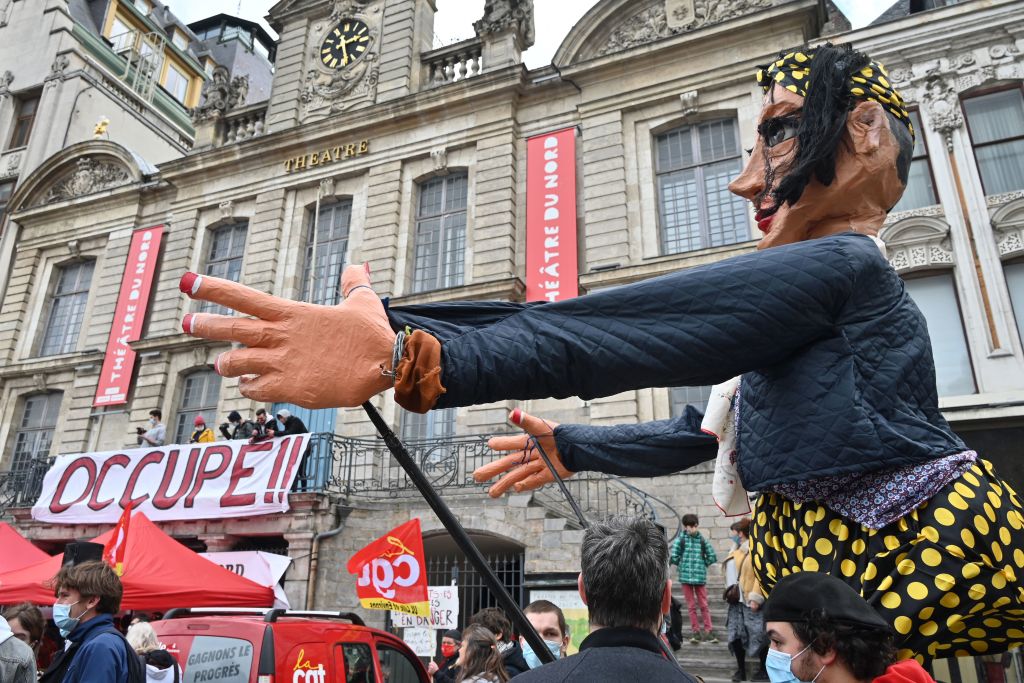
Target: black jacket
x,y
243,430
612,654
447,672
293,425
836,361
514,661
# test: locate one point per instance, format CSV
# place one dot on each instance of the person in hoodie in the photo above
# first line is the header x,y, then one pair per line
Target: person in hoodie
x,y
822,631
161,667
17,661
495,621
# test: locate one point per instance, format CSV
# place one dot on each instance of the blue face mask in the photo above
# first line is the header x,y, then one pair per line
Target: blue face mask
x,y
533,661
62,617
736,539
780,667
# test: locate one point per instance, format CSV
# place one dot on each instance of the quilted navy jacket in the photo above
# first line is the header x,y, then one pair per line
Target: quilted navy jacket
x,y
837,368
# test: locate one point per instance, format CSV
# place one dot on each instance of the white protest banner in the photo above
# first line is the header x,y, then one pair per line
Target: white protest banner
x,y
183,481
266,569
422,641
444,611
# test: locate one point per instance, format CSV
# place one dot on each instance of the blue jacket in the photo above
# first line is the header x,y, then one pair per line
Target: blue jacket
x,y
836,361
102,656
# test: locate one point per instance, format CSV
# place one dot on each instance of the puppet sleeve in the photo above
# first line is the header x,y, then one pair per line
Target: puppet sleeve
x,y
694,327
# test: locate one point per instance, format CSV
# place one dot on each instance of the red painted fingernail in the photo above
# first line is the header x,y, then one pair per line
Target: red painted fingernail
x,y
188,284
516,417
216,364
366,267
186,324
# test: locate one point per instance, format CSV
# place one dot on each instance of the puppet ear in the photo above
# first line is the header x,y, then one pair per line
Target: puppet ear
x,y
866,124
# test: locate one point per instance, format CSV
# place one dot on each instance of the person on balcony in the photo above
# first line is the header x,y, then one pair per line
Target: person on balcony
x,y
156,433
236,428
263,430
202,433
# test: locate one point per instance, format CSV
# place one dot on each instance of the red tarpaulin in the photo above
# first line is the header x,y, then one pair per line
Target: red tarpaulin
x,y
159,573
17,552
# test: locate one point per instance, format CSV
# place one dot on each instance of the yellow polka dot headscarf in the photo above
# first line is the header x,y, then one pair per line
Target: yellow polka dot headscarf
x,y
793,69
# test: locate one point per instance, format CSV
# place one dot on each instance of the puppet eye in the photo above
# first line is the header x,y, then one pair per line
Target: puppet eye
x,y
777,131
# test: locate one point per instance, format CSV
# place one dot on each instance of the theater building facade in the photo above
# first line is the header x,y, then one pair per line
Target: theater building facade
x,y
414,159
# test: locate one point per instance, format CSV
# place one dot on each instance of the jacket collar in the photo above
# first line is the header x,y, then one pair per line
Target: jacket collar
x,y
619,636
86,630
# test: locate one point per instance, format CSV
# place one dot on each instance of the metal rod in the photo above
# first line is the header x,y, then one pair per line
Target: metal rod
x,y
561,483
459,535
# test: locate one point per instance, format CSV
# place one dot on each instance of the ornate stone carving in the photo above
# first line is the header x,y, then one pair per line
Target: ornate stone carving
x,y
1008,224
1010,241
918,243
342,8
327,187
227,209
653,23
689,102
503,15
89,176
326,90
199,355
943,107
221,94
60,64
1005,198
898,216
5,9
439,157
5,83
12,163
74,248
39,380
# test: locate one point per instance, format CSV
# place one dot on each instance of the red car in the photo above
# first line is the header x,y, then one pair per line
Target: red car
x,y
284,646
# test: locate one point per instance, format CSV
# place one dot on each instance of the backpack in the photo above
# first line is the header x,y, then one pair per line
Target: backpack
x,y
136,664
162,659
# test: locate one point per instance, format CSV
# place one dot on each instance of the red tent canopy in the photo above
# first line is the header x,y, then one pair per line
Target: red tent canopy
x,y
159,573
17,551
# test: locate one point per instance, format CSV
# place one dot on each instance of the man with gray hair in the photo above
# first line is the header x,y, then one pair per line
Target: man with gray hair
x,y
624,583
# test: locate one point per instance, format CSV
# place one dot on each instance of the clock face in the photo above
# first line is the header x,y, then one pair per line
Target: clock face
x,y
344,44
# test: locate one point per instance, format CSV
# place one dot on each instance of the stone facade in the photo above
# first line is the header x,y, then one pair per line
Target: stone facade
x,y
626,73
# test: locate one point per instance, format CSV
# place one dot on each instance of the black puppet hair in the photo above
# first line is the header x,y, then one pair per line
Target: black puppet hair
x,y
823,119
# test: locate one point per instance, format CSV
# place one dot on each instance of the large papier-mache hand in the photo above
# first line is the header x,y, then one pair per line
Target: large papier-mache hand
x,y
312,356
524,468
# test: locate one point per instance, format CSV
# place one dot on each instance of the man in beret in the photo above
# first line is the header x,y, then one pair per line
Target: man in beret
x,y
821,631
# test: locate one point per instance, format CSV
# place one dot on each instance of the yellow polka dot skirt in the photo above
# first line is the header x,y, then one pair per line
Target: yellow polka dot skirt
x,y
949,576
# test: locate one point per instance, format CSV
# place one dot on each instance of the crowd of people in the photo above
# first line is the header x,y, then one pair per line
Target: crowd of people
x,y
235,428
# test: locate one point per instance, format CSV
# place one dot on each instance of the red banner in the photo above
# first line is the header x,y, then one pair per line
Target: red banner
x,y
132,300
551,270
392,572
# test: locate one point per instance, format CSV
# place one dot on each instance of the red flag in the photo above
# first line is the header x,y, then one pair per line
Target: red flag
x,y
113,551
392,573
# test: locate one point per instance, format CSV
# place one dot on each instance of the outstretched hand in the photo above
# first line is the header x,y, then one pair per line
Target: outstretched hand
x,y
312,356
524,468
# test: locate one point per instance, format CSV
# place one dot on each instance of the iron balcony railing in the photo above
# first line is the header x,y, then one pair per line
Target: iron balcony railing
x,y
363,469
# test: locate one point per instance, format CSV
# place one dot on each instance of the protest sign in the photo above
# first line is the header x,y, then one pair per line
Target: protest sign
x,y
444,611
422,641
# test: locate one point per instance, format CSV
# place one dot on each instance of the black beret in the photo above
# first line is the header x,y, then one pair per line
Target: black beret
x,y
797,595
453,634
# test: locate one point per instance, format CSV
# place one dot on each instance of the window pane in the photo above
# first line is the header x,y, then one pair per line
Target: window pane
x,y
224,260
1001,166
67,310
997,116
727,213
1015,282
35,434
440,238
436,424
680,397
199,395
321,282
920,191
936,297
679,211
919,145
717,140
675,149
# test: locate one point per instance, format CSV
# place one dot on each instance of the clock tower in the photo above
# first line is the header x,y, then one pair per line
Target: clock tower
x,y
340,55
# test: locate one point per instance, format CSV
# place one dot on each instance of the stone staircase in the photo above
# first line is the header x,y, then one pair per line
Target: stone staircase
x,y
713,663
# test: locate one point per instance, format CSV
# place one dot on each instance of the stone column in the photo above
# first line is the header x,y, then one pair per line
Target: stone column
x,y
296,582
219,543
506,29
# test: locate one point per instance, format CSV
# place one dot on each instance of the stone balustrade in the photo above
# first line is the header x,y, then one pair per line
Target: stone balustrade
x,y
452,63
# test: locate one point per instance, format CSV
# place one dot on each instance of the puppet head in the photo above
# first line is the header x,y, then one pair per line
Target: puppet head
x,y
833,149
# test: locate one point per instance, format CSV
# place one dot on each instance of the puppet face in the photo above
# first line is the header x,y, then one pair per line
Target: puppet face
x,y
866,185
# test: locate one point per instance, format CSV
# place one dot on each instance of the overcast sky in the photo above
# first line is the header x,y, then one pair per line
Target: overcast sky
x,y
454,19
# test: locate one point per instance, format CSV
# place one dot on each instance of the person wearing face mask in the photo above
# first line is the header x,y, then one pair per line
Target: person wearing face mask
x,y
202,433
236,427
156,433
822,631
88,595
447,671
17,661
549,621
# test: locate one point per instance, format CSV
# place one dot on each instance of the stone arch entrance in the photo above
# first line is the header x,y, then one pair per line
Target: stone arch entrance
x,y
446,563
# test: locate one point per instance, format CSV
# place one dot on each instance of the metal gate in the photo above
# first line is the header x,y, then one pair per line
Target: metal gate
x,y
474,595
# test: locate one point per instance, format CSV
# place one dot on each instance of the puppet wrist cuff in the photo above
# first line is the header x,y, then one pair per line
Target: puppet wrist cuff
x,y
418,373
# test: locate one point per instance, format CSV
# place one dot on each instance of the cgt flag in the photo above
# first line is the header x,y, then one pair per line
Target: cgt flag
x,y
113,551
392,574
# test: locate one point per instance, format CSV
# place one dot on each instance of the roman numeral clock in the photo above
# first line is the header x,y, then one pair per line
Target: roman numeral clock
x,y
345,43
343,66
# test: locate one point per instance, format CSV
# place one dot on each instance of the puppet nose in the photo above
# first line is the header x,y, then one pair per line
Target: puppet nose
x,y
750,182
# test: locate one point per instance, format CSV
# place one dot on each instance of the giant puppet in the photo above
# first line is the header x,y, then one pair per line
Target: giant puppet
x,y
835,414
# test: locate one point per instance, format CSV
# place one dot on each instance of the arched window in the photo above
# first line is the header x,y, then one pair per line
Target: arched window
x,y
439,259
224,258
694,165
326,243
35,427
67,308
199,394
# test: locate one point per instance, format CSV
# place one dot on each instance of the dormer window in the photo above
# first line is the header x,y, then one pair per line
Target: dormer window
x,y
180,39
143,6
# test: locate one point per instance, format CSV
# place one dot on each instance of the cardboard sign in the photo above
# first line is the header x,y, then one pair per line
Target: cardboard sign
x,y
422,641
185,481
132,301
444,611
551,261
392,573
